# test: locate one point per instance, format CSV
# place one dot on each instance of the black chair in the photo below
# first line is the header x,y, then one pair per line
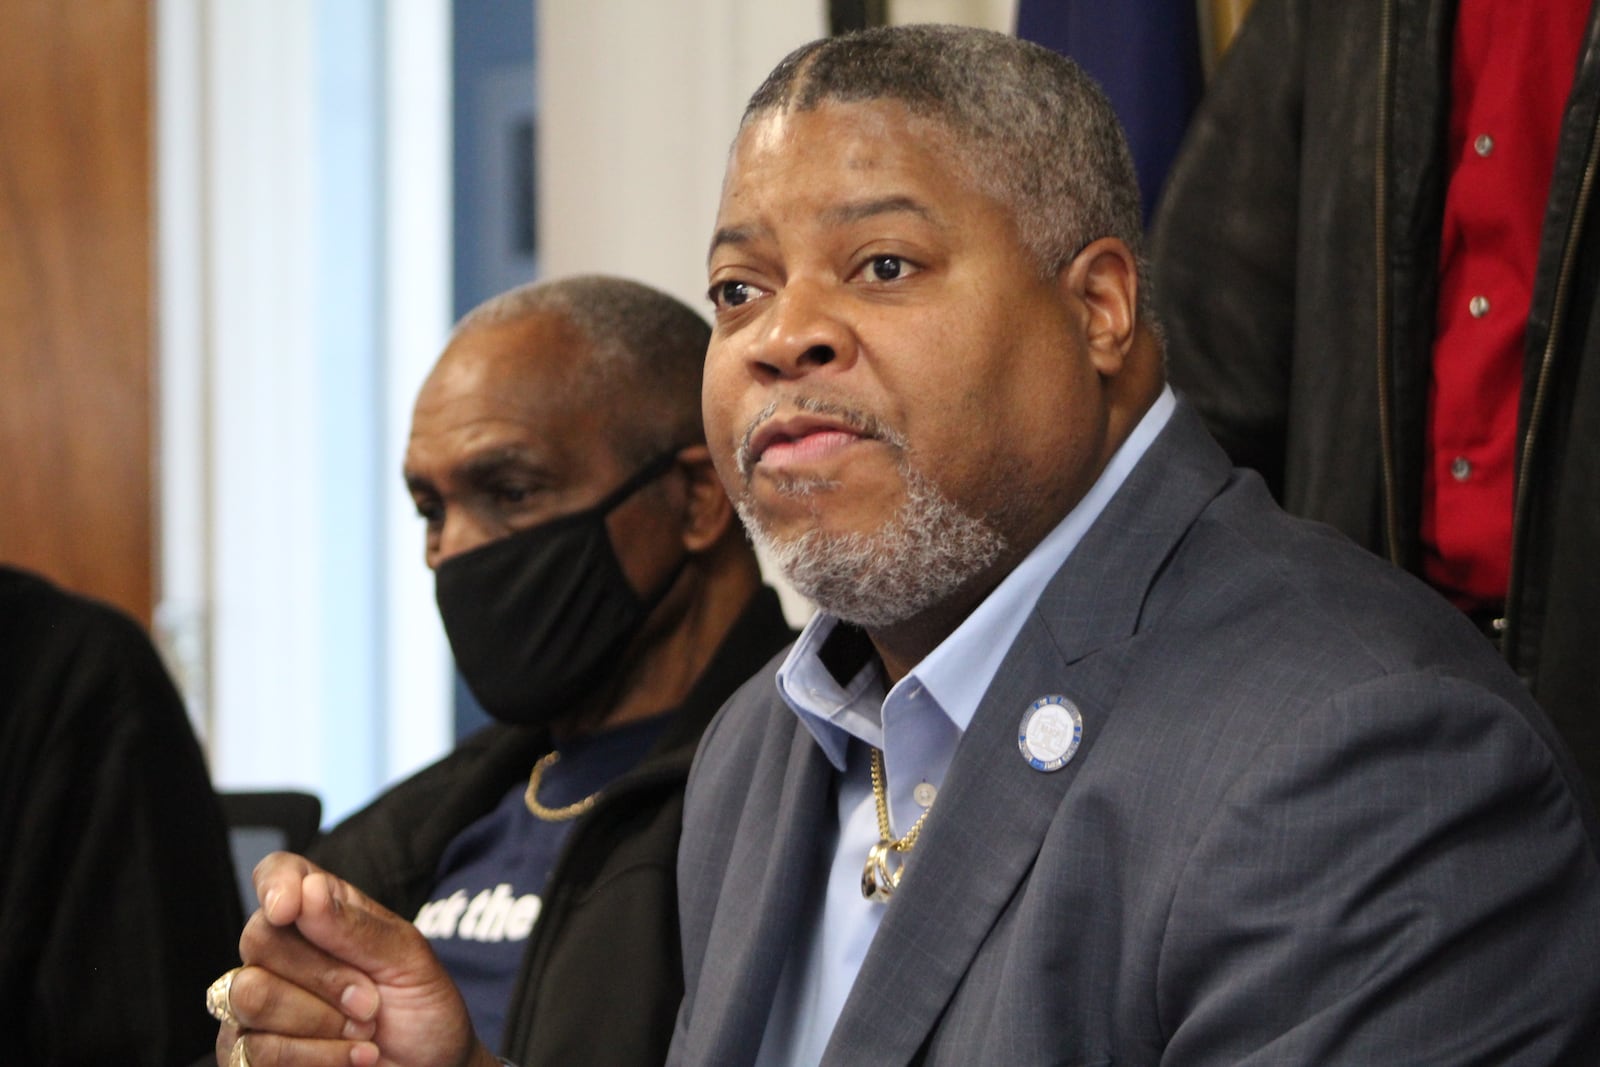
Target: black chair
x,y
263,822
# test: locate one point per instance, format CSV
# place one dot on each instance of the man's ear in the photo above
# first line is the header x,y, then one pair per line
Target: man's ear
x,y
707,512
1104,277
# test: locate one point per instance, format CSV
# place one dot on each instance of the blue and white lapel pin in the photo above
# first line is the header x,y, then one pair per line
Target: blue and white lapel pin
x,y
1050,731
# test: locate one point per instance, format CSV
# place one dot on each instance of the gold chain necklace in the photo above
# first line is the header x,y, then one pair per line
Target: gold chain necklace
x,y
571,811
878,879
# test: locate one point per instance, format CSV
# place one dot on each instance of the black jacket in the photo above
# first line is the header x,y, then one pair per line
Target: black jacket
x,y
1295,256
118,901
602,975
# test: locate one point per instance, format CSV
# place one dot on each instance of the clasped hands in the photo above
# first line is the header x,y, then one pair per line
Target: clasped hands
x,y
330,978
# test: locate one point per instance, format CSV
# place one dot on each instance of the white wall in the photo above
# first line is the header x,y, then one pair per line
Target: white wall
x,y
639,100
991,14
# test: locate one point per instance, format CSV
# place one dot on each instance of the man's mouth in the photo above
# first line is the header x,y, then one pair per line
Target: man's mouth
x,y
784,442
819,430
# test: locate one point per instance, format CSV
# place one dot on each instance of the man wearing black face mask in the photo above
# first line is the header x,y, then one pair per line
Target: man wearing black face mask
x,y
602,603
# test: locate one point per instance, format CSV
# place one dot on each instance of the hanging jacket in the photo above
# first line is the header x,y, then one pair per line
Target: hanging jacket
x,y
1295,268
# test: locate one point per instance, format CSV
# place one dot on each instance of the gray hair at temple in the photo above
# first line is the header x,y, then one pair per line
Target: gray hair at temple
x,y
646,353
1031,129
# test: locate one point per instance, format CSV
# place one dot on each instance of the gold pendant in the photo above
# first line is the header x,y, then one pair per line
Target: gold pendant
x,y
878,881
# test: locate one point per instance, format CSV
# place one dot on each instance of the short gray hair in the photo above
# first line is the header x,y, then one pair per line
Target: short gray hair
x,y
646,353
1030,127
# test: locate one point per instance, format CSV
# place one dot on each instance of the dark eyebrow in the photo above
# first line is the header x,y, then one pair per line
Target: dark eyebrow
x,y
481,468
841,214
866,209
729,235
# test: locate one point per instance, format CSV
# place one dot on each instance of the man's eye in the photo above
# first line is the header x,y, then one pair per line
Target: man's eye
x,y
731,294
512,494
431,511
887,268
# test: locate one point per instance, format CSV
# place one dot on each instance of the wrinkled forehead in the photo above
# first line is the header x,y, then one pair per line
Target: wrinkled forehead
x,y
840,158
482,413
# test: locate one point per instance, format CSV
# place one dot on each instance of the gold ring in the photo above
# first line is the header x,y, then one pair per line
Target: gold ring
x,y
217,1002
238,1056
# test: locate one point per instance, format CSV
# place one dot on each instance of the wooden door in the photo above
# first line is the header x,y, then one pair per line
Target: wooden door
x,y
76,319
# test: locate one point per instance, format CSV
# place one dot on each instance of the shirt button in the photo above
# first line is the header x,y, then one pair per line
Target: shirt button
x,y
924,794
1483,144
1460,468
1479,306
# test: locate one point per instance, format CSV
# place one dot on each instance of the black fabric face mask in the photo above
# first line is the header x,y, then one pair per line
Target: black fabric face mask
x,y
537,619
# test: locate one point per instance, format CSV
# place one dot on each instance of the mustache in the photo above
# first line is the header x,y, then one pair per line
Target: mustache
x,y
862,422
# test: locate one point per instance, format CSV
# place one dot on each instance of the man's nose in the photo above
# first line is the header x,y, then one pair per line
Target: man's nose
x,y
461,532
805,332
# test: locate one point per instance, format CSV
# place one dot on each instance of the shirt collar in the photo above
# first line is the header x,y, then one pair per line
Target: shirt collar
x,y
835,684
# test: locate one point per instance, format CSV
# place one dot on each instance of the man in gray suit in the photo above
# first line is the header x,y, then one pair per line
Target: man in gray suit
x,y
1093,755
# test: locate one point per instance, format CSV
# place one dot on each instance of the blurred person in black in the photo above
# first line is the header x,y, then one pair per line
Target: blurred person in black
x,y
118,899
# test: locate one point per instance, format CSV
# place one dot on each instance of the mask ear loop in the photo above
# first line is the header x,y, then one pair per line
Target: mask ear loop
x,y
638,480
641,478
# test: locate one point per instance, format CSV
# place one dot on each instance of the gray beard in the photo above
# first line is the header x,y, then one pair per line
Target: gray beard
x,y
926,552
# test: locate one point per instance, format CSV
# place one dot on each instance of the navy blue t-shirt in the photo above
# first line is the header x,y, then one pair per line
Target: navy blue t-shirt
x,y
487,898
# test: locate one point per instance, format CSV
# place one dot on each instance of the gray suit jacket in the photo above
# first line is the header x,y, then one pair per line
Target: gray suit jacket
x,y
1313,820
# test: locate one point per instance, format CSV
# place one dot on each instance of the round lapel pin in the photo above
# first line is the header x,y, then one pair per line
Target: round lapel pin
x,y
1050,731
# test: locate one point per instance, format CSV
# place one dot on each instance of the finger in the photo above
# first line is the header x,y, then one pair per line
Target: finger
x,y
287,955
342,921
273,1050
227,1034
277,880
263,1001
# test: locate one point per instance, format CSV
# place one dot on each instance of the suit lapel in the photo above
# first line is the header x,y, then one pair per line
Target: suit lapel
x,y
994,810
763,899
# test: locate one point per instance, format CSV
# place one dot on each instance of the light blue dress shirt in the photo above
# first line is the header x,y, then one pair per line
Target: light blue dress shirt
x,y
917,725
